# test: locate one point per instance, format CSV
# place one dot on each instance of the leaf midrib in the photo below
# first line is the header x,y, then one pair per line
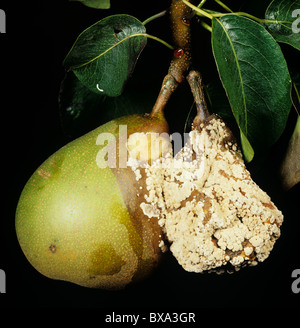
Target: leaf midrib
x,y
240,75
107,50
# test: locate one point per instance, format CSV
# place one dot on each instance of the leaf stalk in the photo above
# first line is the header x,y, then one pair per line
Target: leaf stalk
x,y
158,15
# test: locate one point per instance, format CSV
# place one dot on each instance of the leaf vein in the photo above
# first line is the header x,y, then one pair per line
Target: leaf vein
x,y
239,72
109,49
260,54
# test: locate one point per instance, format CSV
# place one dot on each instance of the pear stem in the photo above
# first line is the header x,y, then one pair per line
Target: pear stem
x,y
180,16
169,85
195,81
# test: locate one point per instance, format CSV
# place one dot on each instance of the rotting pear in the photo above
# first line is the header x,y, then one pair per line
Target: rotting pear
x,y
79,220
211,211
213,214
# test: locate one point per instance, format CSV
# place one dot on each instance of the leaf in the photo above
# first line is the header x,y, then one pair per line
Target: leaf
x,y
98,4
290,168
286,17
247,148
104,55
82,110
255,77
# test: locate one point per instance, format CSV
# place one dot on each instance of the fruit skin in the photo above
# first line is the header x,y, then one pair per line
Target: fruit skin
x,y
81,223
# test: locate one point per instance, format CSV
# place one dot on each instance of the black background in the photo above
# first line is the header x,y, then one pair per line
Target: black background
x,y
39,35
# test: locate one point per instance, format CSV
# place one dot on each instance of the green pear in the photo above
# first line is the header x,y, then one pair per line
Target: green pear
x,y
80,220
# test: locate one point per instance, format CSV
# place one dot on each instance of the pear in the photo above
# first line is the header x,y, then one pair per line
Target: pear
x,y
94,216
78,218
215,217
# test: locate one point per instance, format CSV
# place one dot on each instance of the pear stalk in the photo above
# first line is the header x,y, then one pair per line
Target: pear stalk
x,y
195,81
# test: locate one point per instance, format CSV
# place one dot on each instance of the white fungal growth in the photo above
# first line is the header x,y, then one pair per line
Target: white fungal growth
x,y
209,208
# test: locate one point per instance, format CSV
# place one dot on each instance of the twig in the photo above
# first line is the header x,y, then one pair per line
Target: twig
x,y
180,16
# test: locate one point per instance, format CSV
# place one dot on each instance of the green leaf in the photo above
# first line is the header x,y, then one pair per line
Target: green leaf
x,y
247,148
255,77
98,4
104,55
286,17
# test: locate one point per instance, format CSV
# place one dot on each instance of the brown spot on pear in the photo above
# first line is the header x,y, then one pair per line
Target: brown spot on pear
x,y
80,221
